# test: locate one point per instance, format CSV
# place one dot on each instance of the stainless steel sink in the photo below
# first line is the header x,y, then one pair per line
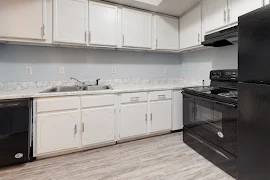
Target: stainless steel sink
x,y
76,88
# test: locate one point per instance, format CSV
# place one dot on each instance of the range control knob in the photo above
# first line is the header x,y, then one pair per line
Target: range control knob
x,y
218,74
214,74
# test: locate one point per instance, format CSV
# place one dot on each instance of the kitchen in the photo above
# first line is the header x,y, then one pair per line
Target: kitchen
x,y
97,89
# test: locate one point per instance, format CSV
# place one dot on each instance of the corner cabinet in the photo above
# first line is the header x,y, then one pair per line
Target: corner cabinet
x,y
70,21
136,29
23,19
102,24
167,33
238,8
191,28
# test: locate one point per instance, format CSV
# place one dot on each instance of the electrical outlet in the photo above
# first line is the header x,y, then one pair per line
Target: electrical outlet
x,y
113,70
62,70
201,70
28,70
165,71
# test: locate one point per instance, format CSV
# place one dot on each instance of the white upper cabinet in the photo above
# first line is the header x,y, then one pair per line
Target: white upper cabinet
x,y
167,33
22,19
266,2
102,24
70,19
191,28
137,29
214,14
238,8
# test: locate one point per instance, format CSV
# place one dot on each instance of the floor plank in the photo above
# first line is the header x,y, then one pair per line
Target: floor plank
x,y
158,158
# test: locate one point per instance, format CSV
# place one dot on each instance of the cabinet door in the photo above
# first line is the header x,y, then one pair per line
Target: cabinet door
x,y
70,21
191,28
177,118
214,14
137,29
57,131
160,116
102,24
98,125
133,120
22,19
167,33
240,7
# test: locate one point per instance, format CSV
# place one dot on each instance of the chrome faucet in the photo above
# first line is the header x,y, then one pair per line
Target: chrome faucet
x,y
72,78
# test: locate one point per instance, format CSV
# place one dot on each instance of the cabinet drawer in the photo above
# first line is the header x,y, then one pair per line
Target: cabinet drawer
x,y
160,95
97,101
134,97
57,104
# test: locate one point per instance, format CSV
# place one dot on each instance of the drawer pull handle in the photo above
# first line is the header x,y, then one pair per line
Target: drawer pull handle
x,y
135,99
162,96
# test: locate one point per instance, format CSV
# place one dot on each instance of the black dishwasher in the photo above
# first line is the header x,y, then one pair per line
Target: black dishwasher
x,y
15,131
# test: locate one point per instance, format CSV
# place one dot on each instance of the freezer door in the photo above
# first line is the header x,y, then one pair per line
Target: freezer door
x,y
253,132
254,46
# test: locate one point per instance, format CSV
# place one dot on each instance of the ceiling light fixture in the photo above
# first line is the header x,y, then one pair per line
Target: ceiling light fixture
x,y
151,2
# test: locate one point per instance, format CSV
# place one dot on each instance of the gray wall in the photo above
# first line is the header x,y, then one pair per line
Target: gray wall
x,y
82,63
93,63
198,64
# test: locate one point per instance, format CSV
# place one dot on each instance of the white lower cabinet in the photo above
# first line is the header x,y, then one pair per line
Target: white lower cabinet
x,y
160,116
57,131
98,125
133,120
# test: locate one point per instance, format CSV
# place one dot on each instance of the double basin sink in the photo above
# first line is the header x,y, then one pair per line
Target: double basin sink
x,y
76,88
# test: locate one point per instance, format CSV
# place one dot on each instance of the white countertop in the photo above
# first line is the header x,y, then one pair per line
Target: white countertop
x,y
35,92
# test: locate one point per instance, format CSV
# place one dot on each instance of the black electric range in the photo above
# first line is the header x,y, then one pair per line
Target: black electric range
x,y
210,119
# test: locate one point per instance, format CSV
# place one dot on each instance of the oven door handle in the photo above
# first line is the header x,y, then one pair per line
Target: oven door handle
x,y
209,100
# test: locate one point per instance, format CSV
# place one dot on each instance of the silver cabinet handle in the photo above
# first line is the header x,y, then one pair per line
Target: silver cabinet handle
x,y
229,18
134,99
123,39
85,34
151,116
163,96
156,43
82,127
75,129
199,38
42,30
145,117
225,15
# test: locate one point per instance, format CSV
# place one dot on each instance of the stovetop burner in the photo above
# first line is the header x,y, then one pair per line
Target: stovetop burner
x,y
231,94
219,93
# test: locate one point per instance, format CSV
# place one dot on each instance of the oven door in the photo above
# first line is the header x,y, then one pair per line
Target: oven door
x,y
214,121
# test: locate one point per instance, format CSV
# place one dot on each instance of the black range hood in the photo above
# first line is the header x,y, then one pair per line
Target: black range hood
x,y
225,37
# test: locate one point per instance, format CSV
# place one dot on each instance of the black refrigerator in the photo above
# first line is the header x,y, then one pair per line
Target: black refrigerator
x,y
254,96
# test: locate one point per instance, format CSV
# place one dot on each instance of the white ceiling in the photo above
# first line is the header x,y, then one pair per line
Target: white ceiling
x,y
171,7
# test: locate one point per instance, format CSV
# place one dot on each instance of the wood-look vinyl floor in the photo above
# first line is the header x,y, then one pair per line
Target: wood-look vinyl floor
x,y
158,158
